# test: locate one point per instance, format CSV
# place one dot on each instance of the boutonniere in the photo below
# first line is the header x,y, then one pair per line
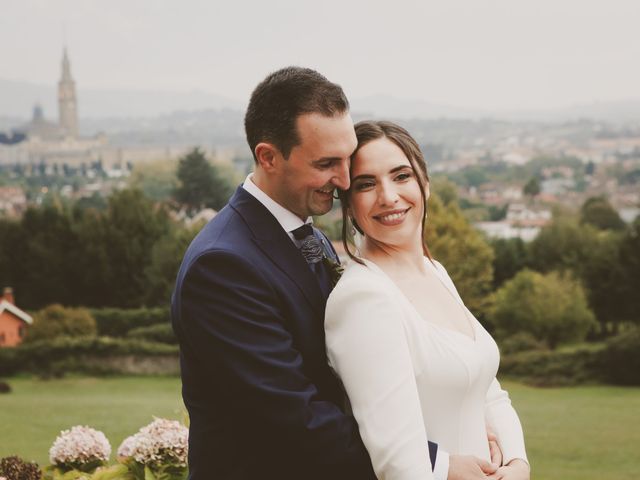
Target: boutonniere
x,y
335,269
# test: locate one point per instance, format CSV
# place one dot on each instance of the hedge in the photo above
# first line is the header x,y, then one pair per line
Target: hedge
x,y
556,367
161,332
116,322
621,358
89,355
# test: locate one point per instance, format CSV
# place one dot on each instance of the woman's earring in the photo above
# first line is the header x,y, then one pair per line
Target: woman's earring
x,y
354,227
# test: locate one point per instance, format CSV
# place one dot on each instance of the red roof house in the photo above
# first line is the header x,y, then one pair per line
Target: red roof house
x,y
13,321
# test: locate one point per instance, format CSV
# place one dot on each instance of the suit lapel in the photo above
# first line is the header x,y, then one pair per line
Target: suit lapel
x,y
274,242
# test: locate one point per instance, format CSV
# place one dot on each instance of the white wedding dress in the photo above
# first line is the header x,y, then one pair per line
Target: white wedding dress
x,y
410,380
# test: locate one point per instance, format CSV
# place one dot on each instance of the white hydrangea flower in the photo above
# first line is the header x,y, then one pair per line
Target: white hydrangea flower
x,y
162,441
80,444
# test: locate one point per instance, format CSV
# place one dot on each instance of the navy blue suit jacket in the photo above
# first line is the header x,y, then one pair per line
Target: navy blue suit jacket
x,y
262,401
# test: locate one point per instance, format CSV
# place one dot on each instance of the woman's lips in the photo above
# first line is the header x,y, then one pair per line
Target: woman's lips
x,y
391,218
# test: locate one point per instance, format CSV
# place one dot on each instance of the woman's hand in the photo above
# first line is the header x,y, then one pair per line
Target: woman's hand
x,y
517,469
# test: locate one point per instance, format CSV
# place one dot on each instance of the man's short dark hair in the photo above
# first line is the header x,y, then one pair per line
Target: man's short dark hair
x,y
278,101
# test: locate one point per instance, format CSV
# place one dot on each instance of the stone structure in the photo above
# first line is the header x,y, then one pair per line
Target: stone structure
x,y
67,104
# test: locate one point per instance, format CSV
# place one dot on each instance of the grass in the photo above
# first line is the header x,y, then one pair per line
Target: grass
x,y
37,410
584,433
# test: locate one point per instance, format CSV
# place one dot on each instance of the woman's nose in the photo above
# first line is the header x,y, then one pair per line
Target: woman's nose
x,y
387,194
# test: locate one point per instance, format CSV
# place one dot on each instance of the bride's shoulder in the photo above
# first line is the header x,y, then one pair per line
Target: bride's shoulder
x,y
357,277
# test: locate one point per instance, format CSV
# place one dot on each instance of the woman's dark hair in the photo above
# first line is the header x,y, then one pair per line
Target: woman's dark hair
x,y
278,101
366,132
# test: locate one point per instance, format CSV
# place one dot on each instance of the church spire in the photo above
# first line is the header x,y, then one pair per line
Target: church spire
x,y
67,106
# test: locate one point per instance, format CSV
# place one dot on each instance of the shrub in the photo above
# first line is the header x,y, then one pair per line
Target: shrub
x,y
117,322
552,307
14,468
161,332
521,342
89,355
621,358
554,368
56,321
5,387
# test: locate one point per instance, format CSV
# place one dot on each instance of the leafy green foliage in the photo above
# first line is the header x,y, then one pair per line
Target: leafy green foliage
x,y
95,356
554,368
621,358
463,251
532,187
597,211
117,322
552,307
161,333
521,342
200,183
511,256
56,321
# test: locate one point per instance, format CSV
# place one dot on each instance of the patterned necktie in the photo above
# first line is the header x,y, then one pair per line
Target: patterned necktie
x,y
313,252
310,246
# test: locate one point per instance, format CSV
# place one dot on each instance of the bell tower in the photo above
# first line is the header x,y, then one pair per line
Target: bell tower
x,y
67,104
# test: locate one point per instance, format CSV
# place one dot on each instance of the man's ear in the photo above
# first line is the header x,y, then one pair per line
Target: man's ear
x,y
267,155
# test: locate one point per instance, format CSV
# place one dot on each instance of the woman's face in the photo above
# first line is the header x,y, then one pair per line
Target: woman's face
x,y
385,198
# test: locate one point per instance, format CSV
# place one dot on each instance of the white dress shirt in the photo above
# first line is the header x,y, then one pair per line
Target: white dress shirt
x,y
288,220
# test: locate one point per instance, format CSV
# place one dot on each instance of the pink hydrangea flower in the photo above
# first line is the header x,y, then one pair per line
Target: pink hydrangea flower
x,y
79,445
162,441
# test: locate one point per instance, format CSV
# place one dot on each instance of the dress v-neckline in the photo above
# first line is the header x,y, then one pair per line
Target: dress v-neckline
x,y
473,339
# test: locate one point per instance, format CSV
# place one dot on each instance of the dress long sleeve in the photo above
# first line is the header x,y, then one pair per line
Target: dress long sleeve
x,y
367,346
504,421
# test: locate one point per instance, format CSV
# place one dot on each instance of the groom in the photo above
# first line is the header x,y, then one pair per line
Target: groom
x,y
249,300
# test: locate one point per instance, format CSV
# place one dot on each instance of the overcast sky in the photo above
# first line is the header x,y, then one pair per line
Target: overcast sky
x,y
493,54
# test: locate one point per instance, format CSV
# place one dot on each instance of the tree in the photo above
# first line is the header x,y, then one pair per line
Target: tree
x,y
510,256
445,189
552,307
117,247
597,211
166,255
200,184
532,187
463,252
591,255
627,298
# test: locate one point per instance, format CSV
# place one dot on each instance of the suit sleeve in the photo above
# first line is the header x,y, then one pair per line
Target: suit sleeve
x,y
367,345
232,320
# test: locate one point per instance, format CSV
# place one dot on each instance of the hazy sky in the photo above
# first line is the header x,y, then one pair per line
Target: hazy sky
x,y
496,54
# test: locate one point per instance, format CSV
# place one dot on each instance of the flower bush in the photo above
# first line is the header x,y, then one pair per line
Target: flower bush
x,y
80,448
158,450
14,468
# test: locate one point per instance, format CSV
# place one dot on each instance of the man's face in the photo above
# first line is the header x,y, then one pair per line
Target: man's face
x,y
318,165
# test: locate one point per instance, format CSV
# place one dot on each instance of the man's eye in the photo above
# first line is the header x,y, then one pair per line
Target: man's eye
x,y
324,166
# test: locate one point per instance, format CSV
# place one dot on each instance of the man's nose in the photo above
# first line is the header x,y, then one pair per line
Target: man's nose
x,y
341,178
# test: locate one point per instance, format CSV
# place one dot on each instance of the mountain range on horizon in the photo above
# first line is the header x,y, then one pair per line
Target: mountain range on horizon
x,y
18,98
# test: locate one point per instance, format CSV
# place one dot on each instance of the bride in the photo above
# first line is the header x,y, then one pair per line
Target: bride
x,y
414,361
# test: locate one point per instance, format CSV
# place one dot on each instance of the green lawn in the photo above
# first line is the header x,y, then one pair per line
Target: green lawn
x,y
584,433
37,410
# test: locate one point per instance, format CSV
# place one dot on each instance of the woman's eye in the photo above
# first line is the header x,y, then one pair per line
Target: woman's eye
x,y
364,186
403,176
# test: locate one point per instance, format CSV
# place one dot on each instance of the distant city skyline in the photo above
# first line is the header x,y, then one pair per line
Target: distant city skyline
x,y
483,54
